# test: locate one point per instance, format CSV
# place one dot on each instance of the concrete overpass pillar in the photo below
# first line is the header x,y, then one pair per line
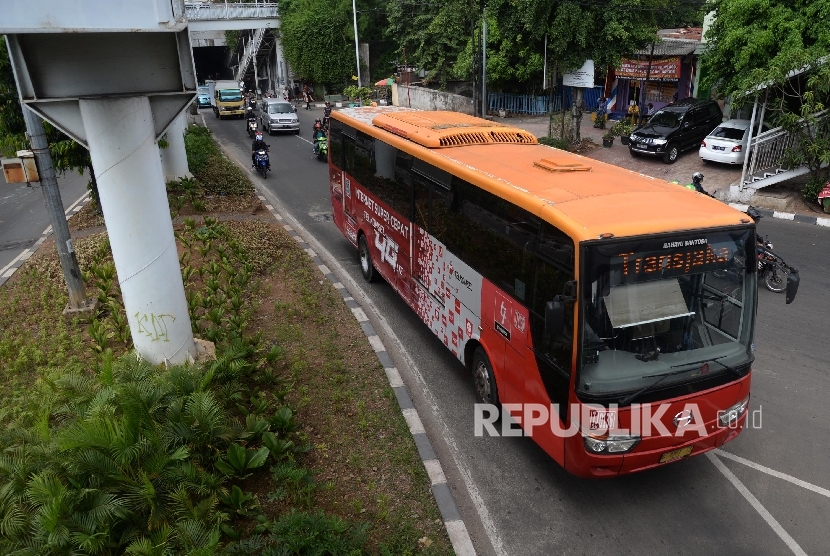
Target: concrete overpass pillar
x,y
174,157
131,185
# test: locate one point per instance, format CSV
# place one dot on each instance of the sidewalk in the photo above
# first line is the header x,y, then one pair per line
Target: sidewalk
x,y
718,177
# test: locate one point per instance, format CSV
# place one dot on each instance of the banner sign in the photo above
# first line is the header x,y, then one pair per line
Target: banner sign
x,y
666,68
583,77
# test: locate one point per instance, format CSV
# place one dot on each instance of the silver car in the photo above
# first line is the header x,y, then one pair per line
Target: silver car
x,y
278,115
727,142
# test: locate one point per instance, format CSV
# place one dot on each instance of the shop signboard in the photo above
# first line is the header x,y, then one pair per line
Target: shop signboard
x,y
664,68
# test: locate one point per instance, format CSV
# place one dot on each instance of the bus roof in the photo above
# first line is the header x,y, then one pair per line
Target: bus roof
x,y
581,196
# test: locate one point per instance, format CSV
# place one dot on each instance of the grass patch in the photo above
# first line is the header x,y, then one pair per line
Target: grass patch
x,y
291,443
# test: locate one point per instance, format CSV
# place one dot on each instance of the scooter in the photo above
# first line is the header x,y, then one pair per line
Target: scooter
x,y
251,125
322,148
824,197
261,162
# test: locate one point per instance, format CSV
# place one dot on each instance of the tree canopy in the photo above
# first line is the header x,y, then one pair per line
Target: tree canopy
x,y
757,41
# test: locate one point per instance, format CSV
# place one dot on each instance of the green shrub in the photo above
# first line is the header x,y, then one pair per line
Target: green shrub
x,y
555,142
215,173
811,190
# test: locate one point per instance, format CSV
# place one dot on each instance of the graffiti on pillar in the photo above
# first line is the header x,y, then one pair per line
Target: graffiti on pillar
x,y
154,326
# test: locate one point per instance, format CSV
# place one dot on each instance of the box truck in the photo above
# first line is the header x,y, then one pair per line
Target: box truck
x,y
226,99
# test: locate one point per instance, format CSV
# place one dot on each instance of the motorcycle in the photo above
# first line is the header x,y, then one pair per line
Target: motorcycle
x,y
252,126
261,162
322,148
776,274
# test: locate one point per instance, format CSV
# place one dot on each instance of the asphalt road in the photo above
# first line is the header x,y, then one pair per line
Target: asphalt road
x,y
517,501
23,215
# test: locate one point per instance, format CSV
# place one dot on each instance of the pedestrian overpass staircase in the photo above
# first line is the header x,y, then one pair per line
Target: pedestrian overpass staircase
x,y
229,16
766,157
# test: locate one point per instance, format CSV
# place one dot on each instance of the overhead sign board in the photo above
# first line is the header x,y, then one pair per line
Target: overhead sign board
x,y
583,77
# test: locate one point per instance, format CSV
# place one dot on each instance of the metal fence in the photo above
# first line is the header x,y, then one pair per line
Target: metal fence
x,y
208,11
537,105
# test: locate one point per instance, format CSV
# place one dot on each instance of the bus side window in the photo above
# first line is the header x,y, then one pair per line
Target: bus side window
x,y
336,144
421,196
497,239
384,183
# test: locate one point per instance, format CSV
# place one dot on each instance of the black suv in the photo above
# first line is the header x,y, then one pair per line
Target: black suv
x,y
674,128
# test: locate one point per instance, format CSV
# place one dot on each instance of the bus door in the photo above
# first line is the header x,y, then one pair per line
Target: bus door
x,y
550,357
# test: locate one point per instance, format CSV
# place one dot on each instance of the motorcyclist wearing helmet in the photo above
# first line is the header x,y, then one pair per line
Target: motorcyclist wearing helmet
x,y
259,144
317,122
317,133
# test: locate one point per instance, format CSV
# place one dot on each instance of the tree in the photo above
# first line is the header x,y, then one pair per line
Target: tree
x,y
763,42
433,34
318,40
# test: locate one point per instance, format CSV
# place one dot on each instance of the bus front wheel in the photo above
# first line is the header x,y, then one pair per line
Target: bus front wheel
x,y
366,266
484,379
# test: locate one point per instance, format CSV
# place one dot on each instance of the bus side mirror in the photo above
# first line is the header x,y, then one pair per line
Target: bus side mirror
x,y
792,285
555,316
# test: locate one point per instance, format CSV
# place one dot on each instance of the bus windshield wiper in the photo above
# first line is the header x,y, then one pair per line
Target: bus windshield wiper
x,y
728,368
629,398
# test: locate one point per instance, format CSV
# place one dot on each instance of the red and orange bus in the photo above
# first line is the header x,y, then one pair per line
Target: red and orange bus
x,y
557,280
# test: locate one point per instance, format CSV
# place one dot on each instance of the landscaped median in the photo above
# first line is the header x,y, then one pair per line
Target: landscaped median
x,y
290,442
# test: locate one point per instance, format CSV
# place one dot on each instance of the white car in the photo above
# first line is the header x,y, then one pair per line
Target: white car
x,y
727,142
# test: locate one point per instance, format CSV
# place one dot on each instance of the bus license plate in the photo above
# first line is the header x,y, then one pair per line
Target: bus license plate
x,y
676,454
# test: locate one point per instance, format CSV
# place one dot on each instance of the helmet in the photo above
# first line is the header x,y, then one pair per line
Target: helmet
x,y
259,136
697,177
317,121
328,103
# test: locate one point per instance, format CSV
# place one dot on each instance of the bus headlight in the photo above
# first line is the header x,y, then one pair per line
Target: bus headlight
x,y
611,444
731,415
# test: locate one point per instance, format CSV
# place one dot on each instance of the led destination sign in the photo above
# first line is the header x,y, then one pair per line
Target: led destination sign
x,y
655,258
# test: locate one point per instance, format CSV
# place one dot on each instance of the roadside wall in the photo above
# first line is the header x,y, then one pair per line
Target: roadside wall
x,y
429,99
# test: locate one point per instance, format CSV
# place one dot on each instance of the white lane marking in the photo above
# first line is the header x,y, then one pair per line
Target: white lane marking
x,y
72,206
8,273
771,521
8,266
774,473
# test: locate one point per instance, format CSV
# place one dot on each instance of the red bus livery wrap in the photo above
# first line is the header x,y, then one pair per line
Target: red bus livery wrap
x,y
618,339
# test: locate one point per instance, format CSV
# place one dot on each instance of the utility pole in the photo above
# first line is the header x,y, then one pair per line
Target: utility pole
x,y
484,62
356,47
52,196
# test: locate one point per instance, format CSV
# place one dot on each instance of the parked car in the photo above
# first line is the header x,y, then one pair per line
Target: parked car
x,y
276,114
203,96
727,142
675,128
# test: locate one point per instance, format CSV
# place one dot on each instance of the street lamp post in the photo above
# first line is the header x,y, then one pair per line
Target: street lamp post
x,y
356,48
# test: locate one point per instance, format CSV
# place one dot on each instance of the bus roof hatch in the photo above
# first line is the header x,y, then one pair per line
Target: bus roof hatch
x,y
436,129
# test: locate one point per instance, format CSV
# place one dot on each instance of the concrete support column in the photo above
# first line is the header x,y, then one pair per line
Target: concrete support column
x,y
134,200
174,157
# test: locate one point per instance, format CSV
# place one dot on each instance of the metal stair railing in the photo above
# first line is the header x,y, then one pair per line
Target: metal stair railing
x,y
250,53
211,11
768,149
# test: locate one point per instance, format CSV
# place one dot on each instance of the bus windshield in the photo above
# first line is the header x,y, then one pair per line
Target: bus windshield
x,y
229,95
680,306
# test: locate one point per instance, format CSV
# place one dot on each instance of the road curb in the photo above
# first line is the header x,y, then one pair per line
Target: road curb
x,y
8,271
804,219
457,531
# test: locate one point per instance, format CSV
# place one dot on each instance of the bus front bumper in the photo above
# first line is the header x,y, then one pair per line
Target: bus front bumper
x,y
584,464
